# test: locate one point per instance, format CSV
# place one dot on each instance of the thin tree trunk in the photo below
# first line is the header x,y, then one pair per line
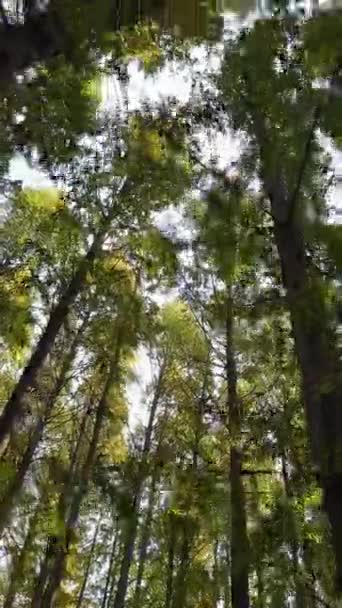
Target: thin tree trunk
x,y
43,573
110,573
8,501
58,567
180,583
46,565
300,595
187,524
19,561
14,409
227,587
258,550
145,537
170,563
89,564
216,575
132,524
239,538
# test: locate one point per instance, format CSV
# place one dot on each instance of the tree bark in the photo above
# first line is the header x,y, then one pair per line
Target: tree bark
x,y
89,564
300,596
315,341
180,582
8,501
319,363
239,538
110,573
52,542
58,567
145,537
19,561
40,37
14,409
227,587
170,563
132,524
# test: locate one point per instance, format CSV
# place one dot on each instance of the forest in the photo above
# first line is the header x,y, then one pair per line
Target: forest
x,y
170,305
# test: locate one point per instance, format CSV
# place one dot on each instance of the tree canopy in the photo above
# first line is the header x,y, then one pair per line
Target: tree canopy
x,y
170,307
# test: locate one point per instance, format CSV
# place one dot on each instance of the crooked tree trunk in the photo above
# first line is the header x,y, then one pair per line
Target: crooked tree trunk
x,y
132,524
8,501
58,567
89,564
239,538
14,409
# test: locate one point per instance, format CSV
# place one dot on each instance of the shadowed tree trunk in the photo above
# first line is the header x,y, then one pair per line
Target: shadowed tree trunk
x,y
19,561
132,523
46,564
170,573
315,341
227,586
61,553
39,38
16,484
145,537
110,573
89,564
14,409
300,593
239,538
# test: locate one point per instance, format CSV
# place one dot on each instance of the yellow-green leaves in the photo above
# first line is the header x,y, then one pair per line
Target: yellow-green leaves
x,y
183,334
15,313
322,44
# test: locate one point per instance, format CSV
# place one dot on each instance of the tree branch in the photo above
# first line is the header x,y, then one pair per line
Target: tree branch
x,y
304,163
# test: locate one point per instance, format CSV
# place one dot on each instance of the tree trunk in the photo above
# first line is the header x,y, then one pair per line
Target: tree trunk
x,y
216,575
321,375
110,573
258,549
39,38
227,587
14,409
170,563
180,583
300,595
89,564
132,524
57,571
43,575
19,561
8,501
315,341
239,538
50,551
145,537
